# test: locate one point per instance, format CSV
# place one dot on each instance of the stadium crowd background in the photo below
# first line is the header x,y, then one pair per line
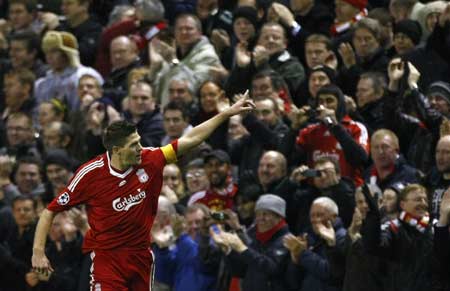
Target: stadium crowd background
x,y
337,181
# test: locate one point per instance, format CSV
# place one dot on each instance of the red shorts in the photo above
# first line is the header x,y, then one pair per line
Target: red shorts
x,y
122,270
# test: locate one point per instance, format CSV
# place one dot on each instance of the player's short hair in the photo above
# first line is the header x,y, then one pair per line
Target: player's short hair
x,y
117,133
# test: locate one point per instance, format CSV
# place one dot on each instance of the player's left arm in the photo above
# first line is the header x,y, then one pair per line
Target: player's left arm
x,y
202,131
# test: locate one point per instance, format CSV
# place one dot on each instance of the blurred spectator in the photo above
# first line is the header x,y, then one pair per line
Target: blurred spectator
x,y
310,252
147,21
334,127
173,185
323,180
28,176
24,51
212,101
367,55
16,245
266,132
262,262
405,9
438,180
20,135
51,110
57,135
18,89
193,56
124,57
175,121
370,91
143,111
414,262
61,82
196,179
388,166
308,17
86,29
220,195
407,34
182,90
59,169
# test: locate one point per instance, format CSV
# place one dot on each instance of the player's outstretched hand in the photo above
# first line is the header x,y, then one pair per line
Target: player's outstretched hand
x,y
243,104
40,263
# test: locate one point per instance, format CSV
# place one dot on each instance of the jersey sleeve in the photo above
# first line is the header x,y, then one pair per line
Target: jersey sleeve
x,y
74,193
170,152
361,135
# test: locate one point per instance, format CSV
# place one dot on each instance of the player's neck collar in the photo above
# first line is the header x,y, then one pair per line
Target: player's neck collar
x,y
114,172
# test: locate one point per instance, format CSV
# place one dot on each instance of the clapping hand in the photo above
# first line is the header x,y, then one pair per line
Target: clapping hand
x,y
326,231
296,245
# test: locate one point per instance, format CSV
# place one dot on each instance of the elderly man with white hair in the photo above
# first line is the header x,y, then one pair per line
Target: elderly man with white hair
x,y
310,251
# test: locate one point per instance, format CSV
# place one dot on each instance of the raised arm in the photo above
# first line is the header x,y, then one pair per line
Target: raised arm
x,y
39,260
202,131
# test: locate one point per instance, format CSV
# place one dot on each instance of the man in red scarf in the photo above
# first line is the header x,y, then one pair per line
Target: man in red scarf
x,y
261,263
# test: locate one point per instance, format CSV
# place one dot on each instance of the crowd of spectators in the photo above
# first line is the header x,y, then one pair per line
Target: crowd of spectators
x,y
338,180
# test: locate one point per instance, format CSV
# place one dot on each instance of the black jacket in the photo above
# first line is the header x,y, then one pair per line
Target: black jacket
x,y
247,151
409,251
262,267
150,128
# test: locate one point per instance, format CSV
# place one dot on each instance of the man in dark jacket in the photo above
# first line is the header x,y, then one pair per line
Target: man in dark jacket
x,y
309,254
266,129
406,241
83,27
262,262
326,182
388,166
144,112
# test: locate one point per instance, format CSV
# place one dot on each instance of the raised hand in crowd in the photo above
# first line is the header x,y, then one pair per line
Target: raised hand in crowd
x,y
347,54
396,69
79,218
350,104
326,232
298,174
296,245
260,55
299,117
243,56
280,13
169,193
220,39
444,218
355,228
326,115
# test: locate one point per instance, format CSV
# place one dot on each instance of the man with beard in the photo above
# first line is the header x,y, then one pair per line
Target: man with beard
x,y
222,190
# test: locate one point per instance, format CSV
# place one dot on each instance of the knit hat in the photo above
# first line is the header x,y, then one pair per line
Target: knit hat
x,y
331,74
273,203
441,89
410,28
221,155
361,4
64,41
248,13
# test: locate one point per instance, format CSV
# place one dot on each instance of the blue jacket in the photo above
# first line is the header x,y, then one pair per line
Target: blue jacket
x,y
180,267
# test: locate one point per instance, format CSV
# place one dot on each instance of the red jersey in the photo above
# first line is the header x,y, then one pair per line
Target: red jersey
x,y
319,142
121,207
216,201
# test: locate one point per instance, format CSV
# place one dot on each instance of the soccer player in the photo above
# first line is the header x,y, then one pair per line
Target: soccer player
x,y
120,190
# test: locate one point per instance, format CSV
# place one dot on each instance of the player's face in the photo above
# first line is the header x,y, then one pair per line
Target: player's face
x,y
130,153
